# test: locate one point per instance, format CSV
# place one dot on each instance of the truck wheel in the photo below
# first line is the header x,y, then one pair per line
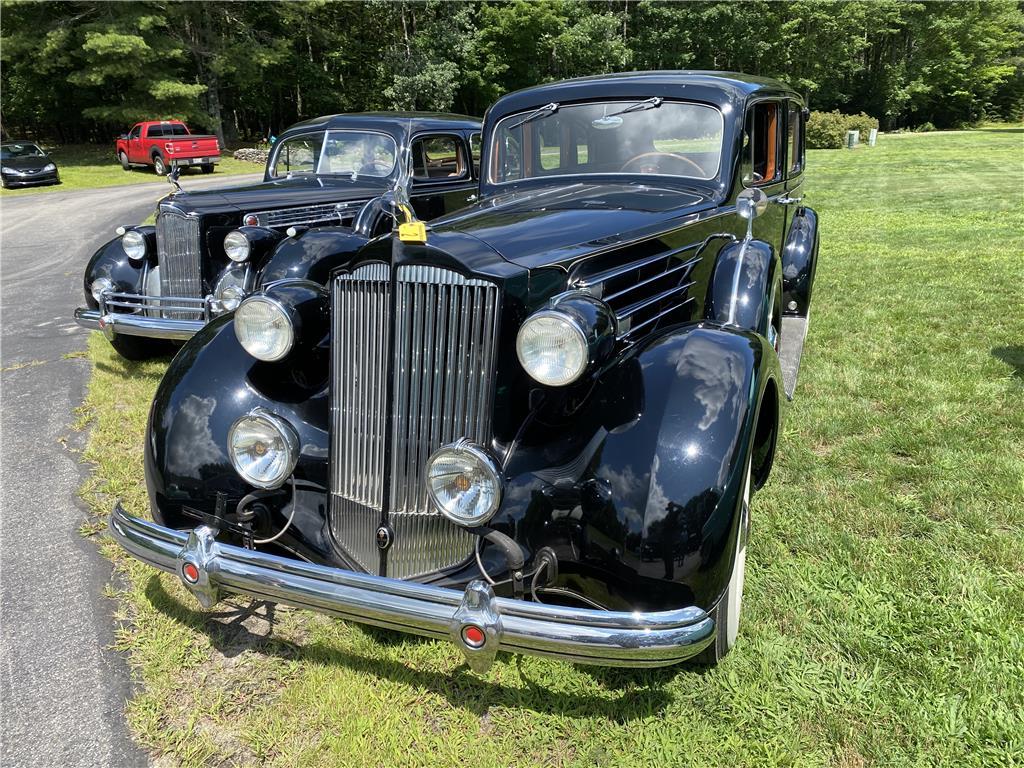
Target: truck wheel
x,y
140,348
124,161
159,166
727,613
208,168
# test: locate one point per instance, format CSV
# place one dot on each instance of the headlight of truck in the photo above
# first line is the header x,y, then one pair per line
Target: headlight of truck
x,y
552,347
264,328
134,245
263,448
237,246
99,286
464,483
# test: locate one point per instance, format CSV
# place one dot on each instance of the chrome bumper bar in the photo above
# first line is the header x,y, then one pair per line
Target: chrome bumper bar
x,y
143,315
479,623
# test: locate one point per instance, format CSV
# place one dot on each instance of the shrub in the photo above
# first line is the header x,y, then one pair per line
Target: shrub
x,y
827,130
925,128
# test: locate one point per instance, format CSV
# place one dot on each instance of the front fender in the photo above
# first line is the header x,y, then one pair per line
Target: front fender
x,y
312,255
638,490
209,384
111,261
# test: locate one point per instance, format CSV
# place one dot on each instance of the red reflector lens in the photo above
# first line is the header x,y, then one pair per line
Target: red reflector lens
x,y
190,572
474,636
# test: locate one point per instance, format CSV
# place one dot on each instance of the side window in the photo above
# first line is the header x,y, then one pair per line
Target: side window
x,y
136,132
550,147
438,157
474,149
154,131
299,154
795,139
764,148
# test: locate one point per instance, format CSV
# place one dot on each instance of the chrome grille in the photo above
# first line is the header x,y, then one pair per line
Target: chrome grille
x,y
445,329
330,213
178,253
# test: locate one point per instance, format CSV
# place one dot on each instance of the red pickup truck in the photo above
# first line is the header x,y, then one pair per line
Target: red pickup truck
x,y
165,144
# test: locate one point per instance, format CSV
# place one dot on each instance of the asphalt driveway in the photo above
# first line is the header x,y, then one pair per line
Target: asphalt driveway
x,y
62,689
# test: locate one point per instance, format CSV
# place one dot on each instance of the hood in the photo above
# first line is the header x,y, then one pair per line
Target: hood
x,y
32,163
540,228
281,193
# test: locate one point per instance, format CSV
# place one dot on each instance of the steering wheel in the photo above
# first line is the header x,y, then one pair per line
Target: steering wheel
x,y
648,162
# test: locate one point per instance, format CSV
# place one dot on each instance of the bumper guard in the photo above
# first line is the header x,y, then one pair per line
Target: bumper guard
x,y
132,314
479,623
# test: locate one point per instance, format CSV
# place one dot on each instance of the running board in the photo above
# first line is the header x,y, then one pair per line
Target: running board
x,y
794,332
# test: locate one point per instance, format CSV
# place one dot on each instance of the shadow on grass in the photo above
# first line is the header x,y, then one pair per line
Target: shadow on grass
x,y
136,370
1001,130
1013,357
642,692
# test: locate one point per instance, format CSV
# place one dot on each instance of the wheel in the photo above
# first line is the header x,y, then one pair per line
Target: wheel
x,y
140,348
124,161
159,165
208,168
727,613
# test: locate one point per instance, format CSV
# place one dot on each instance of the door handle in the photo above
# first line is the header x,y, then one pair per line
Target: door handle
x,y
788,200
471,198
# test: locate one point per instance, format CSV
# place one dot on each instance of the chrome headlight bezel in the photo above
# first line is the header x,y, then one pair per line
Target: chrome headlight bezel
x,y
490,491
232,280
237,246
133,243
246,334
288,445
538,361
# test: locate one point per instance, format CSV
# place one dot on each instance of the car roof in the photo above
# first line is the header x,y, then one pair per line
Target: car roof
x,y
415,120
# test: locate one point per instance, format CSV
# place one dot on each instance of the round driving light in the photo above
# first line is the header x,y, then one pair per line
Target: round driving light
x,y
464,483
264,328
134,245
251,220
552,348
231,297
230,289
100,286
263,449
236,246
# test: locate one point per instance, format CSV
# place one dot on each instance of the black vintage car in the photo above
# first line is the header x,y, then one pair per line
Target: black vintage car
x,y
534,425
24,164
210,249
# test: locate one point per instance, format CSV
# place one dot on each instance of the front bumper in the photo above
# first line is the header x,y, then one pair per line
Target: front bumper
x,y
31,180
135,315
583,635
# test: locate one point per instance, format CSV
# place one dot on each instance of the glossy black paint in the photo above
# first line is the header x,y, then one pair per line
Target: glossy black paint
x,y
632,475
799,261
28,171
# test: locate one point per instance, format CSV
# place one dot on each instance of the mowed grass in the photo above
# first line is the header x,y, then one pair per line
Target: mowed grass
x,y
884,613
88,166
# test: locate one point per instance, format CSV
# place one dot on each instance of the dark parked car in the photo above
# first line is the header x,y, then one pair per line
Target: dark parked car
x,y
24,164
209,249
535,426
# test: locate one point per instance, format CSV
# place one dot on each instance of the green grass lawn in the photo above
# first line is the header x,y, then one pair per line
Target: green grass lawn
x,y
87,166
884,613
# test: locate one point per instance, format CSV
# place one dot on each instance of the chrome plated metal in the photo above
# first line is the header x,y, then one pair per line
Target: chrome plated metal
x,y
583,635
788,200
328,213
137,324
791,349
179,255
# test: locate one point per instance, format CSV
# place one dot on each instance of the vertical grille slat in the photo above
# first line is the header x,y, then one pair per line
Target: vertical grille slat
x,y
442,379
178,252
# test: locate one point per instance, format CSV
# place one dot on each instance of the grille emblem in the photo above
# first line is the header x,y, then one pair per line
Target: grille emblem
x,y
383,538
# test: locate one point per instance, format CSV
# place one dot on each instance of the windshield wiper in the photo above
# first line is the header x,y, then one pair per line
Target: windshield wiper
x,y
640,106
547,109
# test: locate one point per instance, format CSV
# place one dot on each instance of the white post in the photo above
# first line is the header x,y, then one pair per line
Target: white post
x,y
872,137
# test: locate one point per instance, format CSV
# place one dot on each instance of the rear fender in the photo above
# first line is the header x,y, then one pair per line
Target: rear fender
x,y
740,292
638,490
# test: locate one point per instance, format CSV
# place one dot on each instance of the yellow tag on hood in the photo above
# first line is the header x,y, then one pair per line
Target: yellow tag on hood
x,y
413,232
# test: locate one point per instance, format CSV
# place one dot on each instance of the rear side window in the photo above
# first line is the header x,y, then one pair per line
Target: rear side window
x,y
438,157
764,147
795,139
154,131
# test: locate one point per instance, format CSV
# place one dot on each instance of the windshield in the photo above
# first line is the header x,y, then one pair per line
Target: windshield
x,y
635,137
11,151
350,153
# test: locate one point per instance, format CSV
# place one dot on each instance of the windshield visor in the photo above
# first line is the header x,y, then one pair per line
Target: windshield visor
x,y
671,139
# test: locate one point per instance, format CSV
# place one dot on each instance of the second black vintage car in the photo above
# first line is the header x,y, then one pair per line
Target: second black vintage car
x,y
535,425
209,249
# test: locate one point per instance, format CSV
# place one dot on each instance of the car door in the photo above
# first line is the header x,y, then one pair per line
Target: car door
x,y
135,153
442,177
764,166
794,140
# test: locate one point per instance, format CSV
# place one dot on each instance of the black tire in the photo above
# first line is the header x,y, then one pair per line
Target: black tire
x,y
727,613
159,165
136,348
124,161
208,168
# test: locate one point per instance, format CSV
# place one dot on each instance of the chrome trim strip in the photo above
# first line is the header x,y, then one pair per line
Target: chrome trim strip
x,y
583,635
113,324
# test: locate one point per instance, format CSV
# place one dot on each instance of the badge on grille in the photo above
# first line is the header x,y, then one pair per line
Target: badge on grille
x,y
383,538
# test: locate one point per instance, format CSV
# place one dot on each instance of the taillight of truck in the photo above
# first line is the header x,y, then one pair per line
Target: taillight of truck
x,y
169,147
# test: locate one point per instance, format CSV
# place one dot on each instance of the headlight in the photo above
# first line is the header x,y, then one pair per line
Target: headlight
x,y
230,289
134,245
5,169
264,328
236,246
263,448
464,483
49,167
99,286
552,347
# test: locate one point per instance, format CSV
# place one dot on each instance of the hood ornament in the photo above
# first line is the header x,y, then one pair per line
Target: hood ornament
x,y
172,178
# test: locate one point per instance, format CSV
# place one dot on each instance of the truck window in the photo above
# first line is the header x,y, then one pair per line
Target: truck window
x,y
135,132
175,129
154,131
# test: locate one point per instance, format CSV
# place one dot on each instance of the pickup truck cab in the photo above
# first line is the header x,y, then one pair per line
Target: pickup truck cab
x,y
166,144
